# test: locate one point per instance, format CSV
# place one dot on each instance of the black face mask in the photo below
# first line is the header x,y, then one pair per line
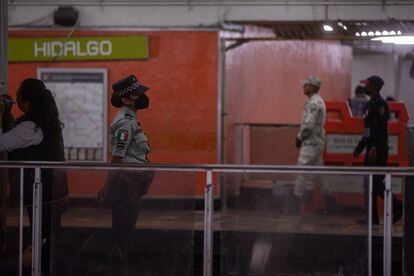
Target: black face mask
x,y
142,102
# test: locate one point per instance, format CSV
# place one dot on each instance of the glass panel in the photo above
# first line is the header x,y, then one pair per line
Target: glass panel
x,y
398,224
144,224
285,224
408,239
10,223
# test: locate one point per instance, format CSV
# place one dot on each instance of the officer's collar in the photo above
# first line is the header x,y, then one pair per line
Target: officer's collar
x,y
313,95
128,111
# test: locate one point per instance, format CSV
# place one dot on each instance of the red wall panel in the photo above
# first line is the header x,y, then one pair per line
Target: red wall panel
x,y
263,84
181,72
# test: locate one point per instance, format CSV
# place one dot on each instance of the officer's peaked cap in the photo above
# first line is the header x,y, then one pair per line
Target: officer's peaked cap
x,y
128,85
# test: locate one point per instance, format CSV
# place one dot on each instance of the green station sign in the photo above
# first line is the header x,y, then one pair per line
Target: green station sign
x,y
78,48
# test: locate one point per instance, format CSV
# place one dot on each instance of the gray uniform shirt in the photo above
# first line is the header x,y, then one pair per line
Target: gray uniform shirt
x,y
127,138
357,105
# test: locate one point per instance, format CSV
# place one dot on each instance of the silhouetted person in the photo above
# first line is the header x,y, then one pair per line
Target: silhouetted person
x,y
375,141
37,136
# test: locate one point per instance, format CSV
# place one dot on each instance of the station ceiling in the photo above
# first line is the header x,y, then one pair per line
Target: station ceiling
x,y
342,30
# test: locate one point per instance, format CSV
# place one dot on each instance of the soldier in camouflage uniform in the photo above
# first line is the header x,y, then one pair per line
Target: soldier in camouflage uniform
x,y
311,138
128,144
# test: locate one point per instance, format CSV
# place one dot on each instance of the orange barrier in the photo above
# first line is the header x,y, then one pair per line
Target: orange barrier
x,y
343,133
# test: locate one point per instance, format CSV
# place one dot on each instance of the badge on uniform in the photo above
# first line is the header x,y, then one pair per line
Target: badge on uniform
x,y
122,135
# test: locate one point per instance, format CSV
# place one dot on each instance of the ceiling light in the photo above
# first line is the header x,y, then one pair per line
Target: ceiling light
x,y
393,33
327,28
357,34
385,33
364,34
345,27
399,33
340,24
398,40
377,33
371,33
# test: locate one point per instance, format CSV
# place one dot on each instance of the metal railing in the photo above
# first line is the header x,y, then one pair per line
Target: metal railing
x,y
214,2
208,198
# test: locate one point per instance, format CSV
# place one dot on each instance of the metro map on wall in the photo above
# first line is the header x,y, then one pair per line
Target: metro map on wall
x,y
80,96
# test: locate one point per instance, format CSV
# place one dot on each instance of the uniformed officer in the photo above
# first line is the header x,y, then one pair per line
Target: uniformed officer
x,y
375,141
128,144
311,138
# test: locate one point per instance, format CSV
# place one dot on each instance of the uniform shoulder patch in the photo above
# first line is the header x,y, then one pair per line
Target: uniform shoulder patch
x,y
122,135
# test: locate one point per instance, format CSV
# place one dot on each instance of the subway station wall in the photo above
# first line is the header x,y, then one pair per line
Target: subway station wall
x,y
181,122
263,88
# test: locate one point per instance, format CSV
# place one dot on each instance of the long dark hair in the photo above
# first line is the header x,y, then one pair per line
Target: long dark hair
x,y
43,111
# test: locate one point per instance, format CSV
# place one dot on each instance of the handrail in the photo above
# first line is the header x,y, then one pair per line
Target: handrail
x,y
209,207
213,167
212,3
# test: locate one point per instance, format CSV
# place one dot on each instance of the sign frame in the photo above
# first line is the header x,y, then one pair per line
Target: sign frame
x,y
104,73
78,48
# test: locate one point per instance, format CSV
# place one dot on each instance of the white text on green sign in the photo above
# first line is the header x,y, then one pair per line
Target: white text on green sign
x,y
78,48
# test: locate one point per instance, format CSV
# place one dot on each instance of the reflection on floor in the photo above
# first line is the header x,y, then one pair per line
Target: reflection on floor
x,y
229,220
247,242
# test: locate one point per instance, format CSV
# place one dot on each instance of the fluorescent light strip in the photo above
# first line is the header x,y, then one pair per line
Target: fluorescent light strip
x,y
397,40
378,33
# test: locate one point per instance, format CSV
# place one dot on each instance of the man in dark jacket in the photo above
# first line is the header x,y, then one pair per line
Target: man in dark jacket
x,y
375,141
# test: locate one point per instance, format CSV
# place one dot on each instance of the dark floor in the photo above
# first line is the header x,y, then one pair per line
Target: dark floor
x,y
246,242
